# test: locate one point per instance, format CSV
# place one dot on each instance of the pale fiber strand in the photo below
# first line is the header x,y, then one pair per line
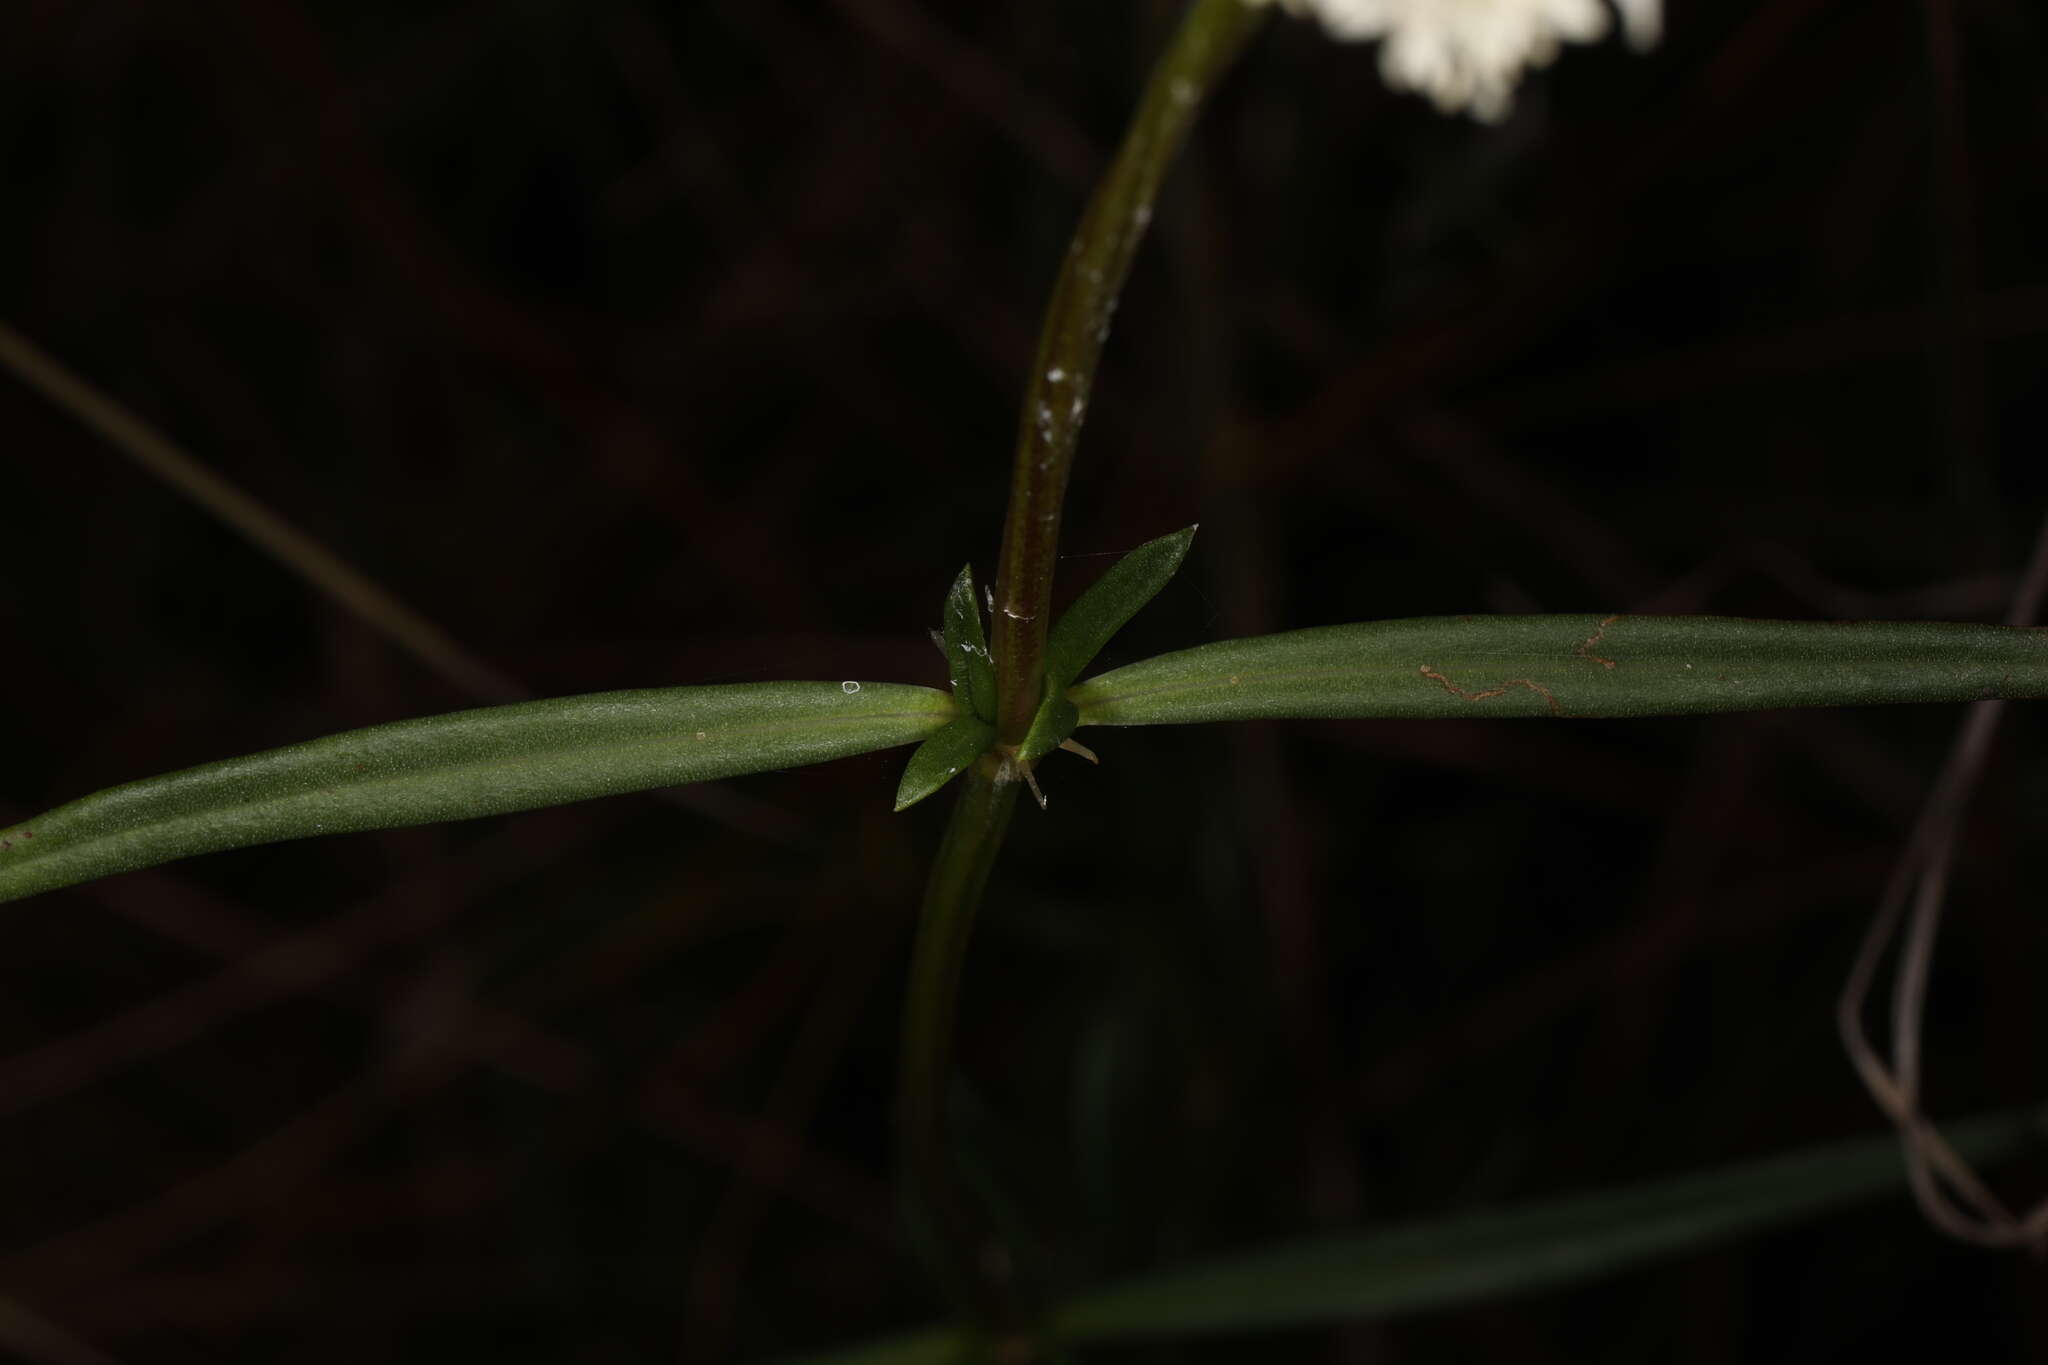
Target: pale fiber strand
x,y
1925,863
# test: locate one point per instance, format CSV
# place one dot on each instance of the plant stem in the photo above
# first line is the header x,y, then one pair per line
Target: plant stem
x,y
1077,321
974,836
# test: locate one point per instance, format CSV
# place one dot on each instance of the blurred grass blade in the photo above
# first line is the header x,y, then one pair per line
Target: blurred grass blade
x,y
941,758
967,657
255,522
1096,616
1478,1257
934,1346
1487,1255
469,763
1465,666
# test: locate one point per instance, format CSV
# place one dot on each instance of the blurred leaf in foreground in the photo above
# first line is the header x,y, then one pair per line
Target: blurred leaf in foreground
x,y
1476,1256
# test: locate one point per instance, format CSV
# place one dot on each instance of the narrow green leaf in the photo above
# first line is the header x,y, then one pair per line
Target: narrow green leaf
x,y
1485,1256
942,758
967,657
470,763
1056,719
1481,1256
1096,616
935,1346
1099,613
1467,666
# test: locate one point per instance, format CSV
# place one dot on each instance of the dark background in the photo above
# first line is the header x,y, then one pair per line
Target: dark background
x,y
638,344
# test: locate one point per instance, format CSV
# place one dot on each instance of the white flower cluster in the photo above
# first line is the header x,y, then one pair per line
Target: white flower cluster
x,y
1468,54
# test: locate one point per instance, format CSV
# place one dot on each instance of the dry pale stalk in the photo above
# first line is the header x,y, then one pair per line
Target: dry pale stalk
x,y
1946,1188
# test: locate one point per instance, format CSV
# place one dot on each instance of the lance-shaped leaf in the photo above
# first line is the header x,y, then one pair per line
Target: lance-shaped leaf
x,y
967,657
470,763
1096,616
1473,1257
942,758
1569,666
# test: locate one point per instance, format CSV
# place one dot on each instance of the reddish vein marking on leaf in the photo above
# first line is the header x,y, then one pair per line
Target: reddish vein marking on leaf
x,y
1506,687
1586,649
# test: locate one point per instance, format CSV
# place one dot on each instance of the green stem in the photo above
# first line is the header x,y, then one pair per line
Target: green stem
x,y
974,836
1077,320
1070,345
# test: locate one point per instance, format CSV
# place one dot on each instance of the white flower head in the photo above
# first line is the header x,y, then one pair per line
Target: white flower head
x,y
1468,54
